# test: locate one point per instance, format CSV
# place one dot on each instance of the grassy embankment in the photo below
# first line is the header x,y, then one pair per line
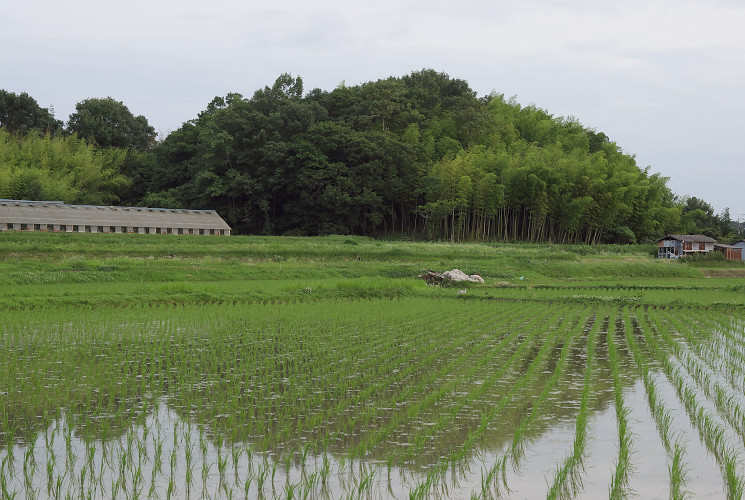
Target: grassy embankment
x,y
38,269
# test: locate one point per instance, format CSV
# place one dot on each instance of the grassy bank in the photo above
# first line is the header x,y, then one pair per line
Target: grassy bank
x,y
41,269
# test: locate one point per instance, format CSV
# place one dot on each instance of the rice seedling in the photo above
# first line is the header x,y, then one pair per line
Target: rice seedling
x,y
298,381
678,472
619,482
567,478
711,430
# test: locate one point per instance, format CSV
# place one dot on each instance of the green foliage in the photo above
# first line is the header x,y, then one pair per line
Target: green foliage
x,y
59,168
109,124
20,114
416,156
420,154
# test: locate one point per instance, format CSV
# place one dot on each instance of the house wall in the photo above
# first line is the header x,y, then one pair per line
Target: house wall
x,y
740,244
730,253
691,247
669,248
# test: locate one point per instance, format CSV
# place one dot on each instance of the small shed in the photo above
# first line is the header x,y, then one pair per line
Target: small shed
x,y
674,246
740,244
730,252
55,216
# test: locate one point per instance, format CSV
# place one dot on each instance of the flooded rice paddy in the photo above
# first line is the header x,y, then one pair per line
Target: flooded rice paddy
x,y
407,398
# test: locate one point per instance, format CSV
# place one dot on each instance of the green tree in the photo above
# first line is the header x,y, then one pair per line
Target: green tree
x,y
20,114
415,154
37,167
108,123
697,217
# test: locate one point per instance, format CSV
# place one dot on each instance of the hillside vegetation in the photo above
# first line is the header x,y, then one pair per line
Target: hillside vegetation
x,y
419,155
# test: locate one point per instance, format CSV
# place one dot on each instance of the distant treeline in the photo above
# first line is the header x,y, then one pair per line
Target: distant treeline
x,y
419,155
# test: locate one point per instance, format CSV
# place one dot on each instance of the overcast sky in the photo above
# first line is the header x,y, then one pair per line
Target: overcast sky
x,y
664,79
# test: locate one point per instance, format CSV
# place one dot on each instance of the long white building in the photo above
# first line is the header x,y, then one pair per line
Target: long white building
x,y
24,215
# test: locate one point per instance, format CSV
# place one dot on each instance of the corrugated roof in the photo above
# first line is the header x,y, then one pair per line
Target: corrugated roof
x,y
40,212
692,238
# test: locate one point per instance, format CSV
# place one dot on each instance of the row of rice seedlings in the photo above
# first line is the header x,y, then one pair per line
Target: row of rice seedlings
x,y
523,342
439,383
708,369
713,340
348,398
126,351
344,389
619,487
129,474
466,348
489,415
711,431
496,477
568,476
532,372
83,472
675,447
154,367
707,377
410,367
532,375
570,335
423,489
526,338
725,348
67,435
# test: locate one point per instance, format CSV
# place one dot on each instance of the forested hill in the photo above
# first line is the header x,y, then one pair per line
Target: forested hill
x,y
420,155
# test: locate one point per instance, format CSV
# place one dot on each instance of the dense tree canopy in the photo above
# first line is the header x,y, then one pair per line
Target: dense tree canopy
x,y
109,123
20,114
416,155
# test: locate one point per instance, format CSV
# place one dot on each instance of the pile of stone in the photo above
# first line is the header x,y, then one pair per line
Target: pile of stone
x,y
454,276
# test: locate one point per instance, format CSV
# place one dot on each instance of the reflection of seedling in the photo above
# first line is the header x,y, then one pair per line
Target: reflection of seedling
x,y
567,478
359,381
261,477
189,475
205,473
325,469
620,479
247,484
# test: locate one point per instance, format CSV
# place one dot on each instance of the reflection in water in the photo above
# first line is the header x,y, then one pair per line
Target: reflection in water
x,y
320,406
178,459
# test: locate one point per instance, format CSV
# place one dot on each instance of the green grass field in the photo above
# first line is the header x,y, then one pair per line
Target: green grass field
x,y
148,366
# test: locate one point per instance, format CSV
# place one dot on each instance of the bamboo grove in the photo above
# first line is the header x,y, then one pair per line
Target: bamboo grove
x,y
417,155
